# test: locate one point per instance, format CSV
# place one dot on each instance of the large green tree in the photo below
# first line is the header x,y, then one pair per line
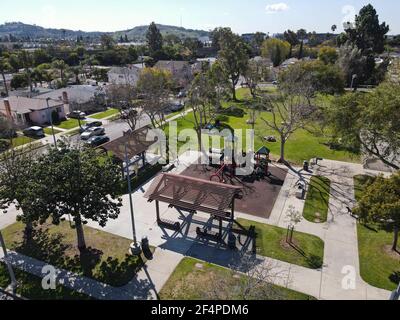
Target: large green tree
x,y
291,37
276,50
154,39
380,204
82,186
368,33
369,122
233,58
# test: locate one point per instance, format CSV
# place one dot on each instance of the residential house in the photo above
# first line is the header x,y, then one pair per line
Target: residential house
x,y
124,75
86,98
181,71
26,112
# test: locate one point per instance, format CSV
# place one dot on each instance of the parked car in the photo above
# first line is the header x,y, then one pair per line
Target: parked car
x,y
90,125
35,132
97,141
92,132
76,115
175,106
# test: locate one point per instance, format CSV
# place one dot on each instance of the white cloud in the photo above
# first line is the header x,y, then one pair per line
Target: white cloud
x,y
277,7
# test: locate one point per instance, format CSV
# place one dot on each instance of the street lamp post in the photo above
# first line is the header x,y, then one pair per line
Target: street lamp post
x,y
9,266
51,122
135,248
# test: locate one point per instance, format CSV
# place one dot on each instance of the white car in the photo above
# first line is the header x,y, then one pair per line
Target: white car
x,y
92,132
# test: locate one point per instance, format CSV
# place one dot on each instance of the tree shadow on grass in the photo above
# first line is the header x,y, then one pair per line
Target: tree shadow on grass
x,y
51,248
44,246
315,262
118,273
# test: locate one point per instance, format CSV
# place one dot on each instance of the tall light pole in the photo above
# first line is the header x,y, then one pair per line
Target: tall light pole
x,y
51,122
9,266
135,248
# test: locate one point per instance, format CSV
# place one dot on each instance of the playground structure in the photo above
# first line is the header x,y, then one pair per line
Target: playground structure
x,y
197,195
227,169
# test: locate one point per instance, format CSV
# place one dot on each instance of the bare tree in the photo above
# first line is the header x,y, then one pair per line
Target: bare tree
x,y
122,98
153,91
251,279
289,113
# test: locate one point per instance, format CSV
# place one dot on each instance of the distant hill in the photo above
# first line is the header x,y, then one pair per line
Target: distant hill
x,y
21,30
139,33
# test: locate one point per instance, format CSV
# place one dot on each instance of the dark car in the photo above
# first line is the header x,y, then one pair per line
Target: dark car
x,y
35,132
89,125
76,115
97,141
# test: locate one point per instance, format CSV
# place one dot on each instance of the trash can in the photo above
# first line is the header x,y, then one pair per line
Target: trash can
x,y
306,166
232,241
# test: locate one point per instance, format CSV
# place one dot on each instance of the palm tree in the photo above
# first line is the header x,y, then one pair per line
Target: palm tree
x,y
3,67
334,28
61,66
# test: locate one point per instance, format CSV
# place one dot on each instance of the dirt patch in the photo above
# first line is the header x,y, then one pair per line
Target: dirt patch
x,y
393,254
288,246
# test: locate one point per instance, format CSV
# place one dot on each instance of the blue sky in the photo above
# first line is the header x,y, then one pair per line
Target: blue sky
x,y
241,15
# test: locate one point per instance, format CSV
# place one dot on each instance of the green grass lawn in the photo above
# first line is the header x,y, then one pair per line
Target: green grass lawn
x,y
301,146
20,141
307,250
195,280
105,260
380,267
30,287
108,113
49,131
317,200
70,124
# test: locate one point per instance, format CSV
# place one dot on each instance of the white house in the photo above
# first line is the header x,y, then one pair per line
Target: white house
x,y
26,112
124,76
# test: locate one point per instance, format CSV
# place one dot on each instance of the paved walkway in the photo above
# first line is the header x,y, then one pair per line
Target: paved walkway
x,y
339,234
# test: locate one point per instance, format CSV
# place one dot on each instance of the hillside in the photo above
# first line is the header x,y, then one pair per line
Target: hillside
x,y
24,31
138,33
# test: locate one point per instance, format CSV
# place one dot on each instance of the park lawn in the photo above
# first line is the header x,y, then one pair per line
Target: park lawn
x,y
20,141
317,200
379,266
190,282
30,287
49,132
306,251
70,124
301,146
106,258
108,113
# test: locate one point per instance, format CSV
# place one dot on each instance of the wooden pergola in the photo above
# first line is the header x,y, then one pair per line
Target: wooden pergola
x,y
197,195
132,144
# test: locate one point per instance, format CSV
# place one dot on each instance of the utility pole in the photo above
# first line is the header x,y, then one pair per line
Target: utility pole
x,y
135,248
51,122
9,266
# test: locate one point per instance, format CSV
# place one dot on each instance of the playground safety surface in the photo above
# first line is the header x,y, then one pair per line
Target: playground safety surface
x,y
259,196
